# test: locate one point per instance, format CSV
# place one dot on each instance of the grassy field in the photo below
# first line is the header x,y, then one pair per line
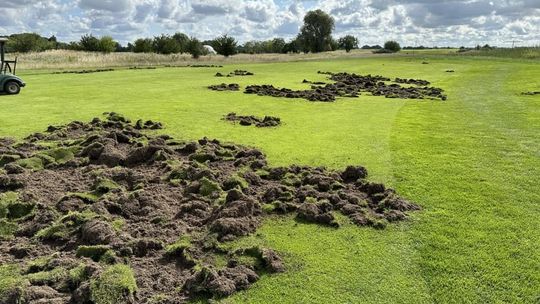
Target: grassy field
x,y
472,162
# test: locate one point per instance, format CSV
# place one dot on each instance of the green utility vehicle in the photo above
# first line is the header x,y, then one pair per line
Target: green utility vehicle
x,y
9,83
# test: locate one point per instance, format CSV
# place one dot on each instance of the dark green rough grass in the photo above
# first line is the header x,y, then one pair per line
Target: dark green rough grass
x,y
472,162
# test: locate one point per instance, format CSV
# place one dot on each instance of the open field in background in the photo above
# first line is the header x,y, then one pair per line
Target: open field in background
x,y
472,162
72,60
65,59
515,53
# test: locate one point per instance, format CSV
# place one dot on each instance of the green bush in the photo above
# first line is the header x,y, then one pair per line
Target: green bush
x,y
348,43
107,44
143,45
392,46
30,42
194,47
166,44
225,45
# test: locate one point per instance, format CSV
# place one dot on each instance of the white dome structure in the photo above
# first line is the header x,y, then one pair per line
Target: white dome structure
x,y
209,49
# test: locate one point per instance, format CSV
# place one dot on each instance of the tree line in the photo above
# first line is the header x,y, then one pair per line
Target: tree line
x,y
315,36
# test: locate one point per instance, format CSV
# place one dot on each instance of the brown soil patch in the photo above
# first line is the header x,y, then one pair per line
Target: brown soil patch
x,y
204,66
225,87
267,121
84,71
143,68
418,82
352,85
235,73
85,196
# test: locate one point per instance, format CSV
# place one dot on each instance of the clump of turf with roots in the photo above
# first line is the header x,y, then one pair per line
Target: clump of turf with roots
x,y
104,212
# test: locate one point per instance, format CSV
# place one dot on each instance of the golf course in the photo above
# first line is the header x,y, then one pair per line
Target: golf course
x,y
471,162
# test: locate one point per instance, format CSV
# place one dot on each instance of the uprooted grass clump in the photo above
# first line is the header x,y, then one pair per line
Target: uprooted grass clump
x,y
245,120
111,210
225,87
235,73
85,71
352,85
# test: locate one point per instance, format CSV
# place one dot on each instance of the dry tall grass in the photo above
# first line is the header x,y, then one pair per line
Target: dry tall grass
x,y
72,60
56,60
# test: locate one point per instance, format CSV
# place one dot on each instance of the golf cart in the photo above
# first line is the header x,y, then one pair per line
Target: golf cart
x,y
9,83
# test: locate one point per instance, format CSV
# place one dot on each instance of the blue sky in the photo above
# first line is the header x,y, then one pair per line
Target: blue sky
x,y
411,22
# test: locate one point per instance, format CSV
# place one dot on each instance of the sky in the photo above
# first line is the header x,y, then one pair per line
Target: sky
x,y
410,22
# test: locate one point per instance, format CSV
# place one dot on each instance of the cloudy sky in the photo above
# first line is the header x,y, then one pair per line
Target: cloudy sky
x,y
411,22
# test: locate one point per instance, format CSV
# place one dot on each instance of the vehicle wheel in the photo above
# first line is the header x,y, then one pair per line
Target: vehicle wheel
x,y
12,87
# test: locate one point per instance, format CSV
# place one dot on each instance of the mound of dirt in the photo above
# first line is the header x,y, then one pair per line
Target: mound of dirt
x,y
102,212
204,66
351,85
267,121
143,68
85,71
315,94
235,73
418,82
225,87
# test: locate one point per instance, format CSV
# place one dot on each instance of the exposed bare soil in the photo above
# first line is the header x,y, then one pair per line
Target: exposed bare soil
x,y
225,87
352,85
84,196
235,73
248,120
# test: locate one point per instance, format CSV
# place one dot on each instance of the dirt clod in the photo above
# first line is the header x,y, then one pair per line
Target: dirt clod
x,y
161,206
267,121
352,85
225,87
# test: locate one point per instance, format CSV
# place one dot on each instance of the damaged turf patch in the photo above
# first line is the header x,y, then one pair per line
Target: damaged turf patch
x,y
112,195
225,87
352,85
267,121
115,285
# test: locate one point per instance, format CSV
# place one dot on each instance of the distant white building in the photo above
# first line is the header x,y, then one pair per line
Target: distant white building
x,y
210,49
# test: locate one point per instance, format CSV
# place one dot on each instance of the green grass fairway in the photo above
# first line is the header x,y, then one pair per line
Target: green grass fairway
x,y
472,162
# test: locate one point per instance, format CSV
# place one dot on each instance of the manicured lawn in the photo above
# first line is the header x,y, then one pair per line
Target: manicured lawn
x,y
472,162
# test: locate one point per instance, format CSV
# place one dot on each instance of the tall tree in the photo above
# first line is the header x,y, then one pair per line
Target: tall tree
x,y
348,43
143,45
89,43
194,47
316,33
182,40
225,45
166,44
29,42
392,46
107,44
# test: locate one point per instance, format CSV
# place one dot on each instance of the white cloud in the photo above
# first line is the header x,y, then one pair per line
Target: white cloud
x,y
106,5
454,22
